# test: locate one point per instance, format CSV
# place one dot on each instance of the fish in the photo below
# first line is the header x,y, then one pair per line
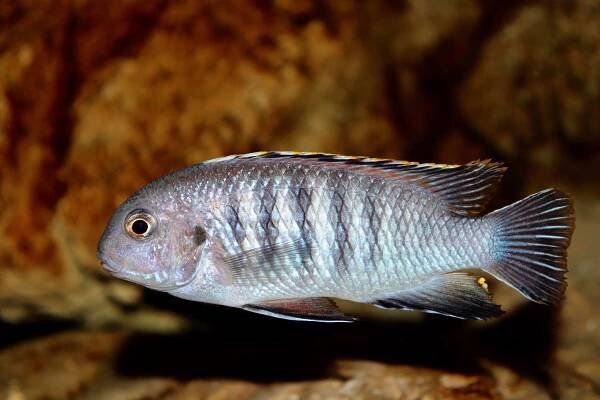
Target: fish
x,y
284,234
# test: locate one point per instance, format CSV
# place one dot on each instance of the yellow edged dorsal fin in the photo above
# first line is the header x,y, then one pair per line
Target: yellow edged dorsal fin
x,y
465,189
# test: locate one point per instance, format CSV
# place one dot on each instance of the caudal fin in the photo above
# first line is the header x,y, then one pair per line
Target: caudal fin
x,y
531,240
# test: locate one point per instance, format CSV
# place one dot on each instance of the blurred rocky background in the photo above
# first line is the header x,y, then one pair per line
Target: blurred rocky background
x,y
99,97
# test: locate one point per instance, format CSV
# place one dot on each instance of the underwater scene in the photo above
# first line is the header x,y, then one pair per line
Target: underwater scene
x,y
298,200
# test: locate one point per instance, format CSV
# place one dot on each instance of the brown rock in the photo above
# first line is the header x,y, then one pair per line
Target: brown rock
x,y
534,92
98,98
215,390
45,51
59,367
80,365
131,389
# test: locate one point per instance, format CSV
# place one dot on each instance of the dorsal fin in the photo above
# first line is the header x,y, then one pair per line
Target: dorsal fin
x,y
465,189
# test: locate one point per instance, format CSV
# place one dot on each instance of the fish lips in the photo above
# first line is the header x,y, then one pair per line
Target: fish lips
x,y
107,265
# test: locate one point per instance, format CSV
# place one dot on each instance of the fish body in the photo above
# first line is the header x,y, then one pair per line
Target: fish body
x,y
282,233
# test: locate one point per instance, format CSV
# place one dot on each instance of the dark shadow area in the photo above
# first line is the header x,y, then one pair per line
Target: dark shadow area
x,y
525,341
240,345
12,334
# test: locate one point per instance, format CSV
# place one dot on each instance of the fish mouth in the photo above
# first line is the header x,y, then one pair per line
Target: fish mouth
x,y
143,280
137,279
107,265
109,268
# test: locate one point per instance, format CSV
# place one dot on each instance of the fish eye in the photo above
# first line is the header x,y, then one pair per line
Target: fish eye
x,y
140,224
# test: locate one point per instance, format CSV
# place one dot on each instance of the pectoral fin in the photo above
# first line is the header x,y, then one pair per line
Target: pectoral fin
x,y
320,309
458,295
267,263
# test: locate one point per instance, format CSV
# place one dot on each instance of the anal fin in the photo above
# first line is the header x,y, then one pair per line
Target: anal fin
x,y
456,294
320,309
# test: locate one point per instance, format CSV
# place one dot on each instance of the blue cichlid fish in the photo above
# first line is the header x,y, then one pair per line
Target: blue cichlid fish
x,y
281,233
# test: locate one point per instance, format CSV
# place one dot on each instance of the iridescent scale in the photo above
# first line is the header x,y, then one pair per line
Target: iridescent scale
x,y
363,234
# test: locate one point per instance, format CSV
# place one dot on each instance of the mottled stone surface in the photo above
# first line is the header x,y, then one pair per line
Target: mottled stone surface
x,y
98,98
535,92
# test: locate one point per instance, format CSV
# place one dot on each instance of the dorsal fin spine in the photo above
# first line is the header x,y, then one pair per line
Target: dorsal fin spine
x,y
454,184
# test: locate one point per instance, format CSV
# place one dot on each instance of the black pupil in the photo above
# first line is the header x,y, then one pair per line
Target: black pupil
x,y
139,227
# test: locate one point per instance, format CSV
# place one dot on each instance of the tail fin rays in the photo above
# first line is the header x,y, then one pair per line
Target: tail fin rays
x,y
532,236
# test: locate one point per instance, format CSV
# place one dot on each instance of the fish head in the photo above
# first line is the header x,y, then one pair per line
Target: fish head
x,y
152,240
